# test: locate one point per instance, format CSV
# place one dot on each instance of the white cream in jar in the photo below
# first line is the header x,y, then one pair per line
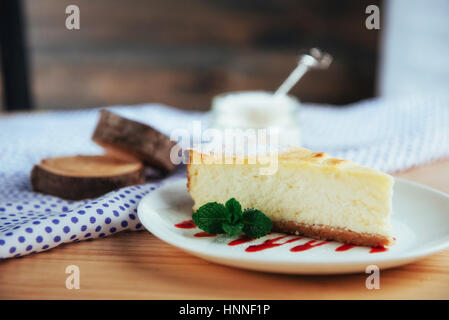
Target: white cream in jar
x,y
258,110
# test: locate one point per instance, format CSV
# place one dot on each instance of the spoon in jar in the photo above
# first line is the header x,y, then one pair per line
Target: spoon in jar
x,y
315,59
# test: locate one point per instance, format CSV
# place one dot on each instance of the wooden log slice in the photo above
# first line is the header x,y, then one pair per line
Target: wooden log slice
x,y
82,177
129,139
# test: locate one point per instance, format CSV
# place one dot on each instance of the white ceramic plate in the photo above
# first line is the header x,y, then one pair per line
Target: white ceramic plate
x,y
420,226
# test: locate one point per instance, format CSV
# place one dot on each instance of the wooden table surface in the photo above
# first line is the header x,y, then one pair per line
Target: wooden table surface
x,y
136,265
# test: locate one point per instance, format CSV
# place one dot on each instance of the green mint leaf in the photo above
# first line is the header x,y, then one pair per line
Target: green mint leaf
x,y
216,218
233,229
256,223
235,209
210,217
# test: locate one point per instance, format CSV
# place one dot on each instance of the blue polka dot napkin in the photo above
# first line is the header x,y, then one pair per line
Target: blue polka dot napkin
x,y
37,222
33,222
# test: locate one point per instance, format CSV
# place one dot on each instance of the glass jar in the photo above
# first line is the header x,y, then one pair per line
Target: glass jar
x,y
259,110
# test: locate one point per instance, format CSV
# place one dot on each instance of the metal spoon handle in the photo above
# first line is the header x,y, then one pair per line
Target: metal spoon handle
x,y
292,79
316,59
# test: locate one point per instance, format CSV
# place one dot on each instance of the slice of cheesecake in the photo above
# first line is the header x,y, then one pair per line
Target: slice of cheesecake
x,y
310,194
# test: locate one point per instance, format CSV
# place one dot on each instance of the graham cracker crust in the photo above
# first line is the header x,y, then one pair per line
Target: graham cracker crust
x,y
321,232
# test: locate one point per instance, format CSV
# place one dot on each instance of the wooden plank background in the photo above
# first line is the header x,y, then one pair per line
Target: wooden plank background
x,y
182,52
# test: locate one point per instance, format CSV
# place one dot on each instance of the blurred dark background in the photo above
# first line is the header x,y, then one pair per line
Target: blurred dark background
x,y
183,52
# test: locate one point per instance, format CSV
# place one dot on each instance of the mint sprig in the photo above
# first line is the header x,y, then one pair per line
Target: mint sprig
x,y
216,218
